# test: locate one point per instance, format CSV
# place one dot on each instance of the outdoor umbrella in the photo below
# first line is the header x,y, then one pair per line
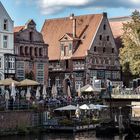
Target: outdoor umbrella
x,y
28,82
44,93
37,93
28,95
79,91
54,91
69,107
69,92
89,88
13,91
77,112
98,107
84,107
7,97
8,82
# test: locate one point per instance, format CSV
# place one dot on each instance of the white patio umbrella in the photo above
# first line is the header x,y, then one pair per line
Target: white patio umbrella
x,y
79,90
37,93
28,95
84,107
7,97
44,93
13,91
69,107
77,112
69,92
97,107
54,91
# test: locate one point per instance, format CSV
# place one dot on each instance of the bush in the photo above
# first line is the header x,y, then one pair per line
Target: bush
x,y
66,122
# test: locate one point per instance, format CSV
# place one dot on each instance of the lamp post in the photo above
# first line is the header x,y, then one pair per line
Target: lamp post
x,y
120,120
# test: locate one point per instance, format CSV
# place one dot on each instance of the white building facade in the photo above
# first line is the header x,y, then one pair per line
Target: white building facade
x,y
7,58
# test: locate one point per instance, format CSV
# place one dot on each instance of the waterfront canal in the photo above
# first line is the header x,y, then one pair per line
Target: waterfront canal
x,y
60,136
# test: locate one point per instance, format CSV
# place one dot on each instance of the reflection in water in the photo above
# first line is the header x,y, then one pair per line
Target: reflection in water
x,y
59,136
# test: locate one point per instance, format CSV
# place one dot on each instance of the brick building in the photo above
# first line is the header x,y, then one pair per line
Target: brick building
x,y
31,53
80,47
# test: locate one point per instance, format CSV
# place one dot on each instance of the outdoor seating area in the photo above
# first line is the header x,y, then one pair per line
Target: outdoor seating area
x,y
29,94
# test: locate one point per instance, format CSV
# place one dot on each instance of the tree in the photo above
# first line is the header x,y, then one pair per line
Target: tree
x,y
130,52
30,75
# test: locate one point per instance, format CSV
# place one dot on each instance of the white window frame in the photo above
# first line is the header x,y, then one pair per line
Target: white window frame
x,y
5,41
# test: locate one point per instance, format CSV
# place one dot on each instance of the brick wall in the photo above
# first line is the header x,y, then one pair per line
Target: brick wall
x,y
15,119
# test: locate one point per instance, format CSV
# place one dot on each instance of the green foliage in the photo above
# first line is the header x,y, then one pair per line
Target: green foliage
x,y
29,75
66,122
130,53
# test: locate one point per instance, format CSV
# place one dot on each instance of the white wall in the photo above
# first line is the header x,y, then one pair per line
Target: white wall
x,y
8,32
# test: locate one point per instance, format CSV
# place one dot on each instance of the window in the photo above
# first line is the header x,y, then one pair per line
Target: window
x,y
70,46
35,51
116,75
93,73
77,83
104,26
104,50
57,82
20,70
112,50
5,25
95,49
107,74
100,74
62,47
100,37
66,51
30,65
108,38
31,36
21,50
11,63
31,51
0,62
26,50
40,73
5,41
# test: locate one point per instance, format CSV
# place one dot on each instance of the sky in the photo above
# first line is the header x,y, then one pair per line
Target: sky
x,y
39,10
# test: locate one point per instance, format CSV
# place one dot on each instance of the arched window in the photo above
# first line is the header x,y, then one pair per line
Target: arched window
x,y
40,52
36,51
31,51
26,50
21,50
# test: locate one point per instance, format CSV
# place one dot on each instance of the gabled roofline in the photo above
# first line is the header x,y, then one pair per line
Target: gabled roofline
x,y
6,11
95,34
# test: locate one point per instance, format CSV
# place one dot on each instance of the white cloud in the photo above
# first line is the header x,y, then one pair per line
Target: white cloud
x,y
49,7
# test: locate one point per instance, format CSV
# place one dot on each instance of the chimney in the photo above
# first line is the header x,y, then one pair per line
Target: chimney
x,y
74,25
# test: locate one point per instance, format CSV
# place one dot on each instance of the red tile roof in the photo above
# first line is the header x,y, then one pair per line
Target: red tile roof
x,y
54,29
116,25
18,28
